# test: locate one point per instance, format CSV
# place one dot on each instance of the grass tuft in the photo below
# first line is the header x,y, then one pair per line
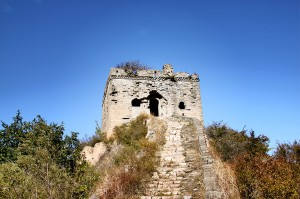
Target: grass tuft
x,y
131,161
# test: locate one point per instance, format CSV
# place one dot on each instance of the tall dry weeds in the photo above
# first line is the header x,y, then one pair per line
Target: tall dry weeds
x,y
131,159
226,176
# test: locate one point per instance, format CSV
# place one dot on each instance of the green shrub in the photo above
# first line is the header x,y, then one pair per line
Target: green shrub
x,y
258,174
229,143
38,161
264,176
289,151
99,136
134,162
130,133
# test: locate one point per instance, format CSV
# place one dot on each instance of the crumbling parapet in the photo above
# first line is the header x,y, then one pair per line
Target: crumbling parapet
x,y
168,70
160,93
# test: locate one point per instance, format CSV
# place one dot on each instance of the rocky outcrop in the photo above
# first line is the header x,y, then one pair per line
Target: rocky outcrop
x,y
93,154
186,167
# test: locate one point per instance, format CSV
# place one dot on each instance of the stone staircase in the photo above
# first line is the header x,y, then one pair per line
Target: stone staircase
x,y
186,167
212,189
166,181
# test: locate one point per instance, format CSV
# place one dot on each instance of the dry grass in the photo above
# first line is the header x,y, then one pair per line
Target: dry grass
x,y
226,176
156,130
130,161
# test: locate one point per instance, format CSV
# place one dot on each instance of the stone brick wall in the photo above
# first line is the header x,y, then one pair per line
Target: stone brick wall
x,y
186,168
161,93
180,172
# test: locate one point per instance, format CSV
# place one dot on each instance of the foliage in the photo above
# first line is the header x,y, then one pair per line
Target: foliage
x,y
131,67
132,164
129,134
10,138
99,136
38,161
229,143
289,151
259,175
264,176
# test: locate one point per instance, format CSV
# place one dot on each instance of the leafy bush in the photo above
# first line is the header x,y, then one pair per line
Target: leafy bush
x,y
258,174
289,151
130,133
132,164
90,141
264,176
99,136
37,161
229,143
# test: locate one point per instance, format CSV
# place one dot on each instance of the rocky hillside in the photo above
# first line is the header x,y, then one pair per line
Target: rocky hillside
x,y
184,165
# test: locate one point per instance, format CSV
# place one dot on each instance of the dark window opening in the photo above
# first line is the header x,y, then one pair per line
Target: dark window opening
x,y
114,93
181,105
136,102
154,107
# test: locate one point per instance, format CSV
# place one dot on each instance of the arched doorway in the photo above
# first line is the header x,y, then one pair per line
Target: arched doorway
x,y
154,106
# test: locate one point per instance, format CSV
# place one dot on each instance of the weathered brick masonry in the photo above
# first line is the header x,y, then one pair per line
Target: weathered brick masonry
x,y
186,167
160,93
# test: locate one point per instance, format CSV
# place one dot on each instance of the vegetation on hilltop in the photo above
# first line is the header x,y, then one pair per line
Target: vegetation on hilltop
x,y
259,175
99,136
132,66
131,160
37,161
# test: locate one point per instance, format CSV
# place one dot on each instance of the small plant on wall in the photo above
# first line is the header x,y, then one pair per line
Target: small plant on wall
x,y
132,67
172,78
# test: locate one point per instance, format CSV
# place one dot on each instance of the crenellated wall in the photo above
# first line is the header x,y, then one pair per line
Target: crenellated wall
x,y
160,93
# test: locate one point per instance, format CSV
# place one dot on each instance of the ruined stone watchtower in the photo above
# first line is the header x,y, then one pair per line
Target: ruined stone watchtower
x,y
160,93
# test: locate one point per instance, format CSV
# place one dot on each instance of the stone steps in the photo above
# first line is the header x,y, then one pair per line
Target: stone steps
x,y
167,179
212,189
186,166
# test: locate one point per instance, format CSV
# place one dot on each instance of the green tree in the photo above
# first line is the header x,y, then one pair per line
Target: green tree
x,y
259,175
10,138
289,151
40,162
229,142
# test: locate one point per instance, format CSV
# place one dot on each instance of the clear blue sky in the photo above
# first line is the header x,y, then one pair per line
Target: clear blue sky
x,y
55,57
